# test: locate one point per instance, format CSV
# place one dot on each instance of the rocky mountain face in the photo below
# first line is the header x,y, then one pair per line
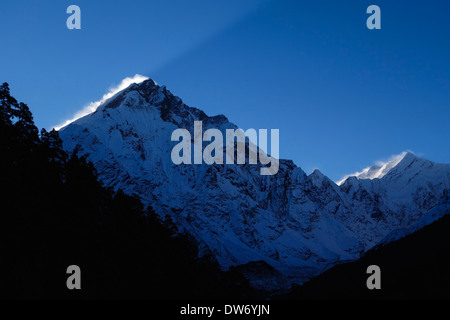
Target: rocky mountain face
x,y
299,225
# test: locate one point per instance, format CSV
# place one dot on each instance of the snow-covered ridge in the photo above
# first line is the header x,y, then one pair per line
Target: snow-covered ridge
x,y
377,171
91,107
298,224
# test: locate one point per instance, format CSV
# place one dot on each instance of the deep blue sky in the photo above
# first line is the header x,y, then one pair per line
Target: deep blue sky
x,y
342,96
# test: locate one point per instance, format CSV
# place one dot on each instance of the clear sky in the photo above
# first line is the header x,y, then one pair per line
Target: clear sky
x,y
342,96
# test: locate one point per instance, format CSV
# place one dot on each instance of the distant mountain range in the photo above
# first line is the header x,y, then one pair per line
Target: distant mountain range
x,y
300,225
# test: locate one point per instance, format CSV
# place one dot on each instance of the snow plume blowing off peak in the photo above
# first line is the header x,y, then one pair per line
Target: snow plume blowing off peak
x,y
91,107
379,170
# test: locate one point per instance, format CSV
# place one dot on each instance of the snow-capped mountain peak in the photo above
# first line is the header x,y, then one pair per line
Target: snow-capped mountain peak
x,y
298,224
379,170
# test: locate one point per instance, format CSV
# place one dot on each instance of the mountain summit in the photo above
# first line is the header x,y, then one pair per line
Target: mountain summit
x,y
298,224
378,170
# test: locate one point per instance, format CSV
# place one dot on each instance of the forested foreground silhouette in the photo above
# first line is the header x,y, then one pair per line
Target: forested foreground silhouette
x,y
55,213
